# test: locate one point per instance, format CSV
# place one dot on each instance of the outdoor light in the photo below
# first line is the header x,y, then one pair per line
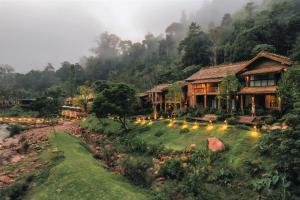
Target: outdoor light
x,y
255,133
225,126
161,118
150,123
195,126
209,126
138,121
184,125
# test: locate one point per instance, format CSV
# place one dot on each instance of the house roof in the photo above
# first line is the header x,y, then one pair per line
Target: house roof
x,y
158,88
258,90
219,71
264,70
211,80
279,58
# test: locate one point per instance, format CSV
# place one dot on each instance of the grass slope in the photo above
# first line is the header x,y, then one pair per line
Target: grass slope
x,y
80,176
239,143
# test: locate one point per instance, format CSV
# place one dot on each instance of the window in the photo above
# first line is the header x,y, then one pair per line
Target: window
x,y
262,80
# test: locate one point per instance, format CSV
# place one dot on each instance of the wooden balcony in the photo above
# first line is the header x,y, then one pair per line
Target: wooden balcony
x,y
210,90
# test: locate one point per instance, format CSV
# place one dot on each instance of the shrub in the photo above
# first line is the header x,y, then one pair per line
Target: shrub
x,y
243,127
232,120
15,129
137,170
222,115
169,190
193,184
253,168
291,119
269,119
173,169
159,133
223,176
184,130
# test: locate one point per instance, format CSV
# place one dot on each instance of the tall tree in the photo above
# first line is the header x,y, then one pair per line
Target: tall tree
x,y
195,48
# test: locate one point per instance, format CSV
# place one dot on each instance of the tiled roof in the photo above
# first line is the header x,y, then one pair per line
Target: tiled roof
x,y
264,70
219,71
279,58
211,80
159,88
258,90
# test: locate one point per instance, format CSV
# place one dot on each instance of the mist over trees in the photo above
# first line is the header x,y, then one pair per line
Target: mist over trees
x,y
184,48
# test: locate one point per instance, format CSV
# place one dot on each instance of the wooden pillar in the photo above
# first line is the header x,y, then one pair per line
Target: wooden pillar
x,y
253,105
242,103
205,97
279,104
194,100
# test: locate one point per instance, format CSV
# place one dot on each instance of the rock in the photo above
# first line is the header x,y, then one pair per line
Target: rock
x,y
214,144
16,158
6,180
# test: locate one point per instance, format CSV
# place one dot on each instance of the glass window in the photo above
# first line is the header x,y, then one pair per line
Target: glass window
x,y
271,82
264,83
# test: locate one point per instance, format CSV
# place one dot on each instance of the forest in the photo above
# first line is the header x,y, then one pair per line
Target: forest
x,y
184,48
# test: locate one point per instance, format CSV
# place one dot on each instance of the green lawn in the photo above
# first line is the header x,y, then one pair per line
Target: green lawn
x,y
80,176
239,143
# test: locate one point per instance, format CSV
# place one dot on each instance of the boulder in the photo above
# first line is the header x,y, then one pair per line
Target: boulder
x,y
214,144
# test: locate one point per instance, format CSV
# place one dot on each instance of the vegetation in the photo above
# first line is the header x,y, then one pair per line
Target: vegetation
x,y
117,100
89,181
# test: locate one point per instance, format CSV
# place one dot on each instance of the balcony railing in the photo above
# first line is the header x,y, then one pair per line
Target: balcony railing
x,y
212,90
209,90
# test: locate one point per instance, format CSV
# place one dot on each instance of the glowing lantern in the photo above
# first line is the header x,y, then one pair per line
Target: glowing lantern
x,y
184,126
195,126
255,133
209,126
150,123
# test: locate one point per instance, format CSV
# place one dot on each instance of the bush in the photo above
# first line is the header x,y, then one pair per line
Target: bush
x,y
253,168
232,120
223,176
159,133
222,115
243,127
169,190
184,130
173,169
193,184
137,170
15,129
291,119
269,119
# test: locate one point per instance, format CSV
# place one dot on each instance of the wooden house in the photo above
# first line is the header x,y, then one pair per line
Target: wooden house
x,y
259,78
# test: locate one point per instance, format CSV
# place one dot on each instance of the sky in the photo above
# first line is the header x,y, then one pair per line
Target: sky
x,y
36,32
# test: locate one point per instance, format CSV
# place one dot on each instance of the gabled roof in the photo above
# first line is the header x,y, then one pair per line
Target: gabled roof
x,y
264,70
158,88
279,58
219,71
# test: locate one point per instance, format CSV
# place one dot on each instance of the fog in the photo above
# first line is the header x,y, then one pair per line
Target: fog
x,y
36,32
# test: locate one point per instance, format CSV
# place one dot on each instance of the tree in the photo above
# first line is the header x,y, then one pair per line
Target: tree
x,y
287,90
229,86
85,93
263,47
118,99
174,94
195,48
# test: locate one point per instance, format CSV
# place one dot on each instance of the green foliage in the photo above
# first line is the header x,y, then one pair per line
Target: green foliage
x,y
136,169
118,99
287,90
195,48
232,120
172,169
15,129
159,133
229,86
